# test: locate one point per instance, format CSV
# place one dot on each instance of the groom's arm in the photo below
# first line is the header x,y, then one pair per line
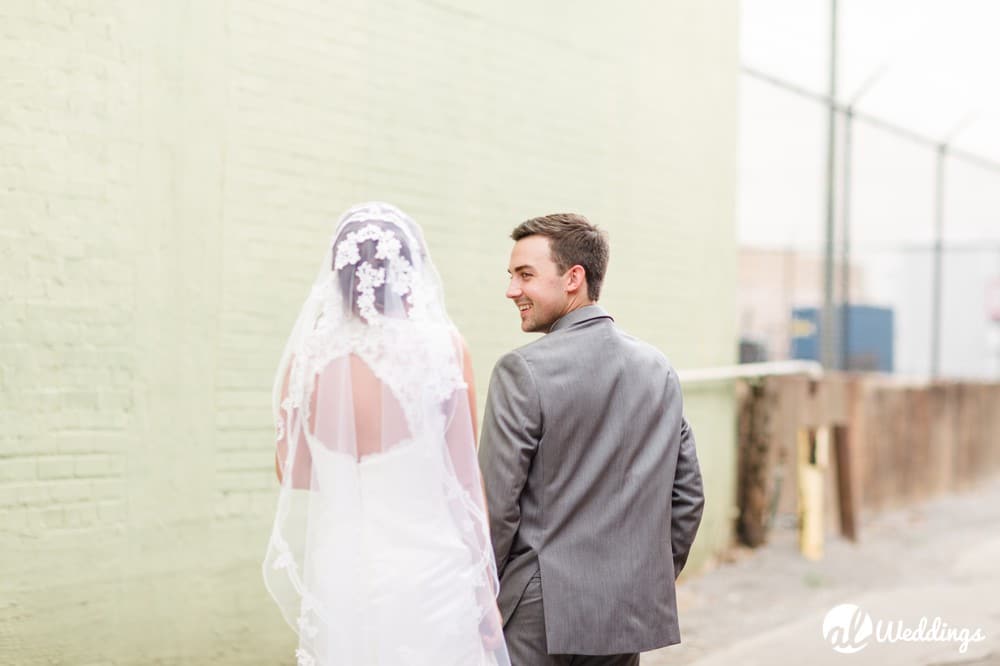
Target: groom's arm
x,y
512,428
688,499
687,495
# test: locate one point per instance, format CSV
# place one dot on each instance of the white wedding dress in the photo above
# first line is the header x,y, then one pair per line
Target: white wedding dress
x,y
410,572
380,552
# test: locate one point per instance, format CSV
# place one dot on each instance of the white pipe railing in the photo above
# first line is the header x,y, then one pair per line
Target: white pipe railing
x,y
749,370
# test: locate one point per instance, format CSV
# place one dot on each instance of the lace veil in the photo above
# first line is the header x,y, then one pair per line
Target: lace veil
x,y
373,365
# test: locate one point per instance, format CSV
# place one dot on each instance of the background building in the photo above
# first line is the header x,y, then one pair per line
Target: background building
x,y
171,172
772,282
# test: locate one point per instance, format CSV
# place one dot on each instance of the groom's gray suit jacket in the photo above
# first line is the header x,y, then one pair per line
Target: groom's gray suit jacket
x,y
592,480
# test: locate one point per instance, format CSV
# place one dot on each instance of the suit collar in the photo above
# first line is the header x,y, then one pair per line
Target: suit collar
x,y
580,315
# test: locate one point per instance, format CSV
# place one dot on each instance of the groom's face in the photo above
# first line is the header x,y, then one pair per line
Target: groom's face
x,y
537,287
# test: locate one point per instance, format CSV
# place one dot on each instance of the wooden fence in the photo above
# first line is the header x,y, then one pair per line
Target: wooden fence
x,y
856,442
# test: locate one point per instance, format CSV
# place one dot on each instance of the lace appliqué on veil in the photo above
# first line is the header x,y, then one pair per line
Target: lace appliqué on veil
x,y
401,275
417,362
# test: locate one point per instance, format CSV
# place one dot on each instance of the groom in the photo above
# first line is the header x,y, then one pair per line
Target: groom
x,y
592,482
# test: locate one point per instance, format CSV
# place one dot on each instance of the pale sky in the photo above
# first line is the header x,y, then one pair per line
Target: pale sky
x,y
938,58
937,66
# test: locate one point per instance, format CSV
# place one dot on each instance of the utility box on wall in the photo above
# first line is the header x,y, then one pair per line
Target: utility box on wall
x,y
869,332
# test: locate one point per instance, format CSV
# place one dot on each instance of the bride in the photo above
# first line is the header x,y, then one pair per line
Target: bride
x,y
380,550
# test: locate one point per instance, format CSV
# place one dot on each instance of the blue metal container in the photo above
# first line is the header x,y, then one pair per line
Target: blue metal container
x,y
870,332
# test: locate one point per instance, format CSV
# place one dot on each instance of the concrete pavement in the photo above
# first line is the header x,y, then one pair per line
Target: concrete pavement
x,y
930,571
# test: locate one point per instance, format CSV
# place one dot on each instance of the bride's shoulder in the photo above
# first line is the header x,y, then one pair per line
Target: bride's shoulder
x,y
456,336
461,348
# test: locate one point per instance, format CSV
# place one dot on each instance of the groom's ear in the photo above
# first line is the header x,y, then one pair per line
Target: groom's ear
x,y
577,278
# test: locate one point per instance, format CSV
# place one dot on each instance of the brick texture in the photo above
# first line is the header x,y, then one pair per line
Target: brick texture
x,y
169,175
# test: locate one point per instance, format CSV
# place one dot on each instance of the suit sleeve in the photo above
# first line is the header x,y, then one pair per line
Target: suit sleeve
x,y
512,429
687,498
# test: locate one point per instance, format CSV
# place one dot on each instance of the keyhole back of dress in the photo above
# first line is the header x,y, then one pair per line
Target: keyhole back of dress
x,y
379,420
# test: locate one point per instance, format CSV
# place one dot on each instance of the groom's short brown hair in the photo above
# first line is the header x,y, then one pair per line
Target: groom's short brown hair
x,y
573,240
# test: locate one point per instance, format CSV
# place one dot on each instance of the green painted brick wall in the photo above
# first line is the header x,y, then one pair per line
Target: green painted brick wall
x,y
169,175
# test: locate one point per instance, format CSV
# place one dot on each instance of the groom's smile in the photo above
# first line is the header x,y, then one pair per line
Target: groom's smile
x,y
524,309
